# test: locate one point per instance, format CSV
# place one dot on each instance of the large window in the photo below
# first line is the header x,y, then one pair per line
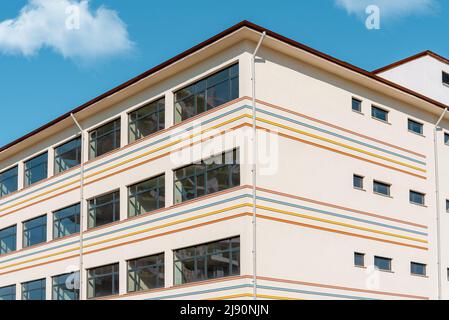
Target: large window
x,y
146,273
36,169
65,286
66,221
103,281
104,139
147,120
215,174
104,209
68,155
207,94
8,181
8,240
208,261
33,290
35,231
8,293
146,196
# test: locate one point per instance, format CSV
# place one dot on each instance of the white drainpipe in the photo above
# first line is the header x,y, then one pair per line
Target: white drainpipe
x,y
253,171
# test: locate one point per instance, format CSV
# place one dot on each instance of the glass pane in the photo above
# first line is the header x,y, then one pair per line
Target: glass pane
x,y
356,105
8,181
8,293
416,197
147,120
8,240
104,139
382,263
146,273
33,290
68,155
35,231
104,209
66,221
358,182
415,127
103,281
379,114
36,169
381,188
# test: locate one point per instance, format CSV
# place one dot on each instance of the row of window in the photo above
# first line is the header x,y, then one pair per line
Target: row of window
x,y
199,97
202,262
385,264
206,177
384,189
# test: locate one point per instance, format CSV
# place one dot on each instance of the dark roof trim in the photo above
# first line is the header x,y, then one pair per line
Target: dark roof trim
x,y
208,42
414,57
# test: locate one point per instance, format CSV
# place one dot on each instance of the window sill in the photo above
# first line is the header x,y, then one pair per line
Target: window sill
x,y
359,189
416,133
386,271
418,204
360,267
419,276
380,120
358,112
382,195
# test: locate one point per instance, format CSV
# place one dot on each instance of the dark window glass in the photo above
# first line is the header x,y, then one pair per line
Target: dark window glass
x,y
381,188
359,259
36,169
207,261
445,78
66,221
358,182
147,120
104,139
417,197
146,273
8,240
379,113
212,175
446,138
356,105
382,263
66,286
104,209
415,127
146,196
68,155
418,269
8,181
8,293
103,281
207,94
447,205
35,231
33,290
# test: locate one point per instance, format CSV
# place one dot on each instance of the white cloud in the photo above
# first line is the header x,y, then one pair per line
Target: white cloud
x,y
389,8
69,27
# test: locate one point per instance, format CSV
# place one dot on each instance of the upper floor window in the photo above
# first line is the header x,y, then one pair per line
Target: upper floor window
x,y
359,259
8,181
36,169
8,293
35,231
64,287
147,120
446,78
447,205
207,261
381,188
446,138
68,155
383,264
212,175
417,197
104,139
103,281
146,273
418,269
8,240
357,182
356,105
66,221
146,196
207,94
104,209
379,114
414,126
33,290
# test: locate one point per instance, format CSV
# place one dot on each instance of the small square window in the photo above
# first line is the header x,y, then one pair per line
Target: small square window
x,y
383,264
445,78
418,269
417,197
379,114
446,138
358,182
447,205
356,105
359,259
381,188
447,273
414,126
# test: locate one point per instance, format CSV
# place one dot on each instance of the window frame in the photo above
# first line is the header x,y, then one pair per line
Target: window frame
x,y
160,187
116,128
16,168
27,183
387,112
115,273
65,217
360,101
363,259
445,78
423,204
160,110
79,152
382,183
418,264
362,179
9,236
58,286
42,288
44,217
446,138
159,265
421,125
390,261
12,294
116,205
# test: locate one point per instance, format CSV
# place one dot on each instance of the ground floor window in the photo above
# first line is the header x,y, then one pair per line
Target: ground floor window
x,y
146,273
8,293
33,290
103,281
66,286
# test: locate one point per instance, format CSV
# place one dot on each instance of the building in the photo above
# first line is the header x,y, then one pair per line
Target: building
x,y
346,176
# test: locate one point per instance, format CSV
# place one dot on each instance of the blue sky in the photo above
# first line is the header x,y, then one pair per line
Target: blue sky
x,y
43,75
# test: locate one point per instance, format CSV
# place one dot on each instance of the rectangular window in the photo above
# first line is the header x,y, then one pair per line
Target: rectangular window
x,y
103,281
379,114
68,155
447,205
8,181
383,264
104,139
207,94
446,138
8,240
146,196
215,174
445,78
147,120
104,209
8,293
356,105
35,231
418,269
417,197
65,286
33,290
146,273
66,221
36,169
207,261
415,127
381,188
359,259
358,182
